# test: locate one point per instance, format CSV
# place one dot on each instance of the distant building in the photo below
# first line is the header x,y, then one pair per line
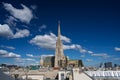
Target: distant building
x,y
74,63
108,65
49,61
115,65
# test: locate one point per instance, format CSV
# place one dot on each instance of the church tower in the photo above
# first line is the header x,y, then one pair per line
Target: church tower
x,y
60,59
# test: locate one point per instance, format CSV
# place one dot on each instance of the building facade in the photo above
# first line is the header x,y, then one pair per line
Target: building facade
x,y
74,63
49,61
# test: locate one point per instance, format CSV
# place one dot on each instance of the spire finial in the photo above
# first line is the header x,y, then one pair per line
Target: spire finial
x,y
59,22
59,33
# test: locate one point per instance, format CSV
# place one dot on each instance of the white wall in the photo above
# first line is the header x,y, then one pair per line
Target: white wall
x,y
34,77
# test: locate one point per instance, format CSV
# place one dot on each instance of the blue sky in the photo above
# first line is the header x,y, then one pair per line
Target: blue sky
x,y
90,30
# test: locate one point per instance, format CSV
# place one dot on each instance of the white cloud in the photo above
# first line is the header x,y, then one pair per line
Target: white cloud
x,y
75,47
48,41
45,41
82,56
29,55
5,31
32,56
28,59
7,47
25,61
117,49
34,7
11,55
24,14
6,54
47,55
104,55
65,39
22,33
3,52
82,50
89,60
11,21
42,27
19,60
90,52
116,58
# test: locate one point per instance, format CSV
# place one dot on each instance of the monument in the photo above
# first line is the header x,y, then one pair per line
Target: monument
x,y
60,59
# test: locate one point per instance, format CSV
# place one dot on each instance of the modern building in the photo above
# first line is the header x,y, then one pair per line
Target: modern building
x,y
108,65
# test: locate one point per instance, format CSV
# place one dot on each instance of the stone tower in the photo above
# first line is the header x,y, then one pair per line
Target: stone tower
x,y
60,59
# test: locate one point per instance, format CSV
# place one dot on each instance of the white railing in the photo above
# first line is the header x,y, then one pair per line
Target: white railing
x,y
103,73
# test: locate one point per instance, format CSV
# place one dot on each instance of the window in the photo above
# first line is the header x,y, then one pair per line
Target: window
x,y
62,76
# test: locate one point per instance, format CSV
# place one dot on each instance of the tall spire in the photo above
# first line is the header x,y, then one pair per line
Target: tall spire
x,y
59,55
59,33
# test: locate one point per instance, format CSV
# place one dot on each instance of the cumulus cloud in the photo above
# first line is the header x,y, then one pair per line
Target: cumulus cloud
x,y
76,47
117,49
7,47
6,54
21,33
11,55
24,14
65,39
5,31
48,41
3,52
